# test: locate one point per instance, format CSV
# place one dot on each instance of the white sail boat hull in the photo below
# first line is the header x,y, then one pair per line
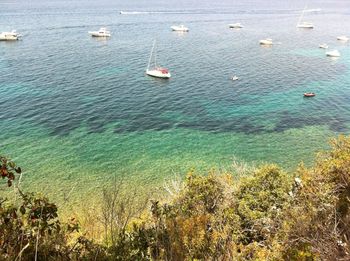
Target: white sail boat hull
x,y
158,74
305,25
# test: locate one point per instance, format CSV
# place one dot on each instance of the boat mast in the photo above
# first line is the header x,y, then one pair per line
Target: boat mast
x,y
150,57
302,14
155,57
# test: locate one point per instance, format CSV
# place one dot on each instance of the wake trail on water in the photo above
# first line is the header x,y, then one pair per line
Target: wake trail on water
x,y
154,12
213,12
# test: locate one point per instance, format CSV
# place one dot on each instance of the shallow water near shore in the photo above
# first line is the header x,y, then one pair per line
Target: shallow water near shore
x,y
77,111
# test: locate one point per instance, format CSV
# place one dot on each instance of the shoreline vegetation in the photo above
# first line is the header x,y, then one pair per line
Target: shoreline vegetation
x,y
263,214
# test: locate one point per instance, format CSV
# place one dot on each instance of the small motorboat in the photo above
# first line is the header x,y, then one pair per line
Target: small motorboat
x,y
236,25
267,41
309,94
179,28
323,46
234,78
343,38
103,32
9,36
334,53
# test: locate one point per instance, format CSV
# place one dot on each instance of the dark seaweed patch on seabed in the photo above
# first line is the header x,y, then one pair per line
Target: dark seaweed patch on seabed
x,y
288,121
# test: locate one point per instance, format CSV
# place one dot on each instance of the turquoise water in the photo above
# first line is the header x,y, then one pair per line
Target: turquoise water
x,y
76,111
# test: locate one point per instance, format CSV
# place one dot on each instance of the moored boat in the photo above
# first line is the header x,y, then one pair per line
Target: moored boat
x,y
159,72
267,41
343,38
334,53
156,71
309,94
323,46
236,25
179,28
103,32
305,25
9,36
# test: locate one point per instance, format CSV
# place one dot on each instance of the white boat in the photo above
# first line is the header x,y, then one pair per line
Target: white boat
x,y
267,41
236,25
155,70
179,28
343,38
306,25
234,78
323,46
9,36
334,53
103,32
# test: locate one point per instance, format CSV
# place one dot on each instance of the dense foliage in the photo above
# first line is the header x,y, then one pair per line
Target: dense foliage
x,y
265,215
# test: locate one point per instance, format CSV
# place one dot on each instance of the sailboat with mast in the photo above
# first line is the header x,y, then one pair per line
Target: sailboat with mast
x,y
301,24
153,69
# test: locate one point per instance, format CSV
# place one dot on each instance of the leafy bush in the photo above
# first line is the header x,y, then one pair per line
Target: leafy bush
x,y
8,170
260,201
